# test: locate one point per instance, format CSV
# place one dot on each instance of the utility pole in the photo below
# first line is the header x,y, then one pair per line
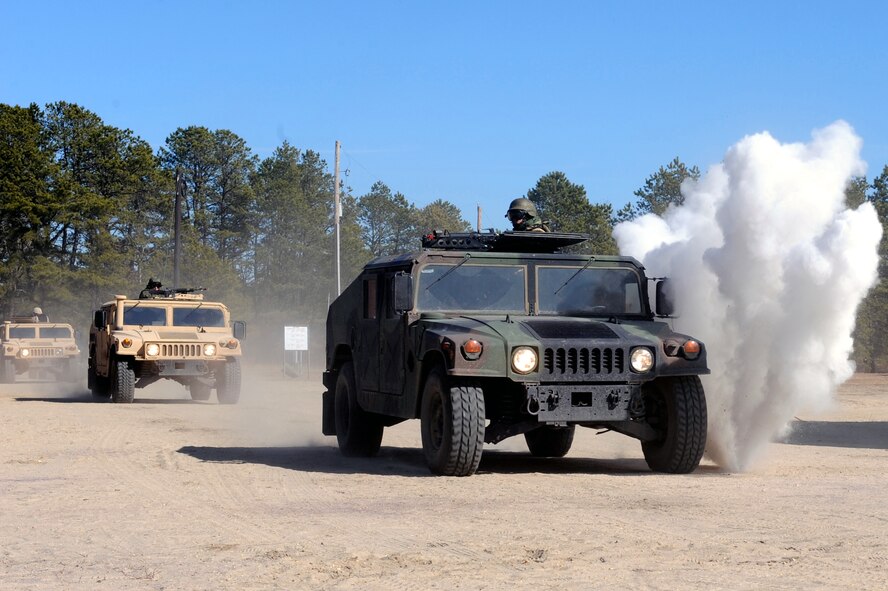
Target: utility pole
x,y
478,227
180,195
336,216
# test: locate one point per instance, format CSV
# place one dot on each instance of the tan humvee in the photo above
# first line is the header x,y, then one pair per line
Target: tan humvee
x,y
171,334
31,346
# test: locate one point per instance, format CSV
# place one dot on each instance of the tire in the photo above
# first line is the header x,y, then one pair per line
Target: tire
x,y
676,408
452,422
199,391
123,382
358,432
8,370
228,382
550,442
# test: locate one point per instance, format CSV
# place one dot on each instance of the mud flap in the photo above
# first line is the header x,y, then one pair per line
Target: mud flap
x,y
328,420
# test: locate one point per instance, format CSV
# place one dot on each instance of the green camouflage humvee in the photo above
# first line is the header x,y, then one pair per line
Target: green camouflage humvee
x,y
32,346
484,336
165,334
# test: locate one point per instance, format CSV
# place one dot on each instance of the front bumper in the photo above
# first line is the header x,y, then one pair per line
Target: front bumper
x,y
57,363
178,368
583,403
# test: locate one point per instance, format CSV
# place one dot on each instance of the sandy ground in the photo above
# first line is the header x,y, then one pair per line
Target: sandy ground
x,y
170,494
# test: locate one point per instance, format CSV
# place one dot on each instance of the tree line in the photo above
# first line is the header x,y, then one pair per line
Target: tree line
x,y
86,211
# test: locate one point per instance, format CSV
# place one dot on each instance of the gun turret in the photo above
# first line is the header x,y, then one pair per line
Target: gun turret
x,y
182,293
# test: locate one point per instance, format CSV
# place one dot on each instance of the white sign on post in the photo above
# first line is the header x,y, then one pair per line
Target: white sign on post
x,y
295,338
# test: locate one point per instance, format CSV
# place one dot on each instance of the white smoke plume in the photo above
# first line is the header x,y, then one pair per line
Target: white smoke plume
x,y
769,268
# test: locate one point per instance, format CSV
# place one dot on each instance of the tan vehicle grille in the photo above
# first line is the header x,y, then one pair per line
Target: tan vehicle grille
x,y
45,352
180,349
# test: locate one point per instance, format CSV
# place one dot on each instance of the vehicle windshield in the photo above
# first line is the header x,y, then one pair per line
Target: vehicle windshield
x,y
55,332
22,332
467,287
593,291
198,316
144,315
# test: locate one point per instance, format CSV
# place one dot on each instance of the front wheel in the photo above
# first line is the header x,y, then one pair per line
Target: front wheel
x,y
123,382
676,409
550,442
8,371
228,383
452,423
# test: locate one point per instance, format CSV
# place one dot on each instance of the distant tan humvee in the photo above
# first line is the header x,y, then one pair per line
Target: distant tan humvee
x,y
31,346
165,333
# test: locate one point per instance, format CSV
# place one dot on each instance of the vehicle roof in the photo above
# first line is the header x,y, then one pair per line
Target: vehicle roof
x,y
406,260
167,301
39,324
497,245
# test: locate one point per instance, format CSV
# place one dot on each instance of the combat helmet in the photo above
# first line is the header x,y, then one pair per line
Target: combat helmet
x,y
522,207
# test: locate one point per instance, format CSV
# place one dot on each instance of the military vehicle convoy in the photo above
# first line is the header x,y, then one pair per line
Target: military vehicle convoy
x,y
165,334
33,347
485,336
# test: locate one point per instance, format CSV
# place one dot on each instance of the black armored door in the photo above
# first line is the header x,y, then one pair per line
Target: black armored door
x,y
366,348
392,335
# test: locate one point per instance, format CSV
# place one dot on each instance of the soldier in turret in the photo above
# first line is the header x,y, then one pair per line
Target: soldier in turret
x,y
524,217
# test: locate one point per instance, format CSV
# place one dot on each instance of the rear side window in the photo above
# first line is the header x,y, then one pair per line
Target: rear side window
x,y
371,302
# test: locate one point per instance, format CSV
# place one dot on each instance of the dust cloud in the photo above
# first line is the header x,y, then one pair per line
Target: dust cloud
x,y
770,266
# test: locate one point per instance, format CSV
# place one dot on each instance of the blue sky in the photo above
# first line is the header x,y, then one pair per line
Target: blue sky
x,y
466,101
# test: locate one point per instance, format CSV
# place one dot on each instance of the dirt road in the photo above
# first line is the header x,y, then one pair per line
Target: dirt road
x,y
171,494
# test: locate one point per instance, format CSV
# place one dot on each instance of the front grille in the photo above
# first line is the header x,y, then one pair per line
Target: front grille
x,y
45,352
568,362
180,350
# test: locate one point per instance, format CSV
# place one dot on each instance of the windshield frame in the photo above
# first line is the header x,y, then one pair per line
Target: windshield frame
x,y
141,305
464,264
579,268
69,332
19,327
192,309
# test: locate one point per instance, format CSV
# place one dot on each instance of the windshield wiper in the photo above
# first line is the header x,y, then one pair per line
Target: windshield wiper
x,y
580,270
450,270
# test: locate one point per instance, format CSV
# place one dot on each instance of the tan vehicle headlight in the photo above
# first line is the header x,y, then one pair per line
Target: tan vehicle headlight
x,y
152,349
524,359
641,359
209,349
24,352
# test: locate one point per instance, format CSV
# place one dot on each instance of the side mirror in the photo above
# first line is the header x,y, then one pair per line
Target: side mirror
x,y
99,319
239,330
402,292
665,298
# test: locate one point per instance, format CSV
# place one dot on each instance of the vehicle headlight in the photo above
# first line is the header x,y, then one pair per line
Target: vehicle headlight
x,y
209,349
152,349
25,352
524,359
641,359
